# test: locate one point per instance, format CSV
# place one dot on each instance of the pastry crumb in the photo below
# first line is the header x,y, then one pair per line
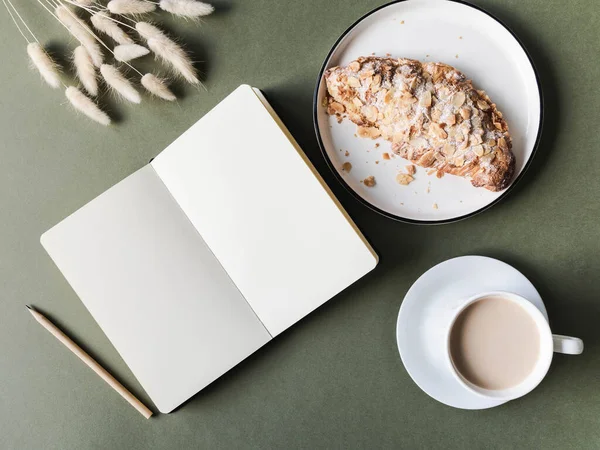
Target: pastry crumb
x,y
347,153
426,56
369,181
401,203
456,55
385,156
411,169
439,174
347,167
404,179
460,37
428,190
376,162
435,206
402,22
355,135
376,144
388,54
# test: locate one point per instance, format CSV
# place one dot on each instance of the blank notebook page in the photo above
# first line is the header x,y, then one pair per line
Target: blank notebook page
x,y
155,288
258,204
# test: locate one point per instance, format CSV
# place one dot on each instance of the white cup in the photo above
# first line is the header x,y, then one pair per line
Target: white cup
x,y
549,343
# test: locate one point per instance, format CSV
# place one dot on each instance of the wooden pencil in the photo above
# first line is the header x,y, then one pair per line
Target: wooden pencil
x,y
91,363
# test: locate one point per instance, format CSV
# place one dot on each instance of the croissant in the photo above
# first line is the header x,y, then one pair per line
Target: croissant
x,y
431,114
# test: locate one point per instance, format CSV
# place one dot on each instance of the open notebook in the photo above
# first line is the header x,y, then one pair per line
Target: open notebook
x,y
227,238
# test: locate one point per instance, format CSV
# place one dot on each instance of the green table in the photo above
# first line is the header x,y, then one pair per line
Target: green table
x,y
334,380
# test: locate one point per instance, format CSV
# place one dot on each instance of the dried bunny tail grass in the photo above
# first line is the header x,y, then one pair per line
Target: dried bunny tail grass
x,y
81,32
168,50
85,105
130,7
45,65
119,83
102,22
186,8
84,2
86,72
127,52
158,87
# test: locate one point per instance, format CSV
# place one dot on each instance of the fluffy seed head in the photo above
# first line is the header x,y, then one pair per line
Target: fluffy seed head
x,y
119,83
86,106
44,64
85,69
130,7
186,8
158,87
168,50
127,52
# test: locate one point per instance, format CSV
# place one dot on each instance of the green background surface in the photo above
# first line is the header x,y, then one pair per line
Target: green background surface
x,y
335,379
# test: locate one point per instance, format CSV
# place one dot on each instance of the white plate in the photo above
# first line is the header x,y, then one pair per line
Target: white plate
x,y
421,341
432,30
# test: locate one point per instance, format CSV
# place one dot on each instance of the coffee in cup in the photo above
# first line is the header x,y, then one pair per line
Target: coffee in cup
x,y
499,345
494,343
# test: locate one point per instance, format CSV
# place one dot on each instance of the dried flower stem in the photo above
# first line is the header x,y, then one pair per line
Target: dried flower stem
x,y
15,22
89,53
53,5
40,59
52,12
20,18
93,35
104,12
102,23
81,32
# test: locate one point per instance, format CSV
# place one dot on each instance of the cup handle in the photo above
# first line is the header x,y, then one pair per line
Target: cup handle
x,y
567,344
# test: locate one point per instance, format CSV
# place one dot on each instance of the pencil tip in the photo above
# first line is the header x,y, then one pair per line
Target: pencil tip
x,y
29,307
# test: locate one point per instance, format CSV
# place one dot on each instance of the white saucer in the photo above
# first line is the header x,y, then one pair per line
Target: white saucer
x,y
421,342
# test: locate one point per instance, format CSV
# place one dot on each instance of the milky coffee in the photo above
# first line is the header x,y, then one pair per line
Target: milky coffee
x,y
494,343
